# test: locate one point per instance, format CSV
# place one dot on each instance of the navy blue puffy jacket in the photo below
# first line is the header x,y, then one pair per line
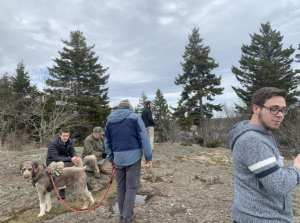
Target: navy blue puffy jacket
x,y
126,138
57,151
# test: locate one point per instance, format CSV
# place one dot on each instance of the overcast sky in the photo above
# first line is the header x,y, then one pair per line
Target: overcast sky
x,y
142,42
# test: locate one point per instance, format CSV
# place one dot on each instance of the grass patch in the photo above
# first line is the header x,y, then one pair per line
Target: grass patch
x,y
177,211
221,162
17,216
181,158
30,214
153,179
156,164
184,160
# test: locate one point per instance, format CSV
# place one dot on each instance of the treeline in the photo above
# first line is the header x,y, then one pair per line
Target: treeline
x,y
75,95
263,63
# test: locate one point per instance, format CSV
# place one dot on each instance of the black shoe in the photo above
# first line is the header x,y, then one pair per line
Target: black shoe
x,y
62,193
89,186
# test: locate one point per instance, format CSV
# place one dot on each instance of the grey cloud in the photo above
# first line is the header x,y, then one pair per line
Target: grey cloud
x,y
142,42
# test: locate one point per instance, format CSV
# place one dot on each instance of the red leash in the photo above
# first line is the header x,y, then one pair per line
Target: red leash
x,y
112,174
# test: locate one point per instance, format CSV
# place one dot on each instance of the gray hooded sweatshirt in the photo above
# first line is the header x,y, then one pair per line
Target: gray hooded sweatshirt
x,y
262,187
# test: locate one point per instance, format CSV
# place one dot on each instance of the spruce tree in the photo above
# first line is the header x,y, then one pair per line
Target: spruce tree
x,y
21,82
80,79
6,95
298,55
142,104
264,63
6,87
198,83
162,115
6,106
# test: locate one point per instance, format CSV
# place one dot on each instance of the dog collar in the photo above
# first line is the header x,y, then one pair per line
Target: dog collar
x,y
36,171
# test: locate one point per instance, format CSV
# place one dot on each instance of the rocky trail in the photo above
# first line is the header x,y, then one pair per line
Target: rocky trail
x,y
186,184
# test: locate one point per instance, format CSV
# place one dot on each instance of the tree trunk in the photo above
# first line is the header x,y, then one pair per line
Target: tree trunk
x,y
41,139
40,133
202,122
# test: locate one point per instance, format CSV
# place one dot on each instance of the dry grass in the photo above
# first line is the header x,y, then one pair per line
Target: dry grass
x,y
170,144
18,141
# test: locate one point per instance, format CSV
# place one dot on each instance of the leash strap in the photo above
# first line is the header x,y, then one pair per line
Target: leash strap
x,y
110,182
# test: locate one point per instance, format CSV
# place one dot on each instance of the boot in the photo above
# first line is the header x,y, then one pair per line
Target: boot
x,y
89,186
97,175
105,171
135,220
62,193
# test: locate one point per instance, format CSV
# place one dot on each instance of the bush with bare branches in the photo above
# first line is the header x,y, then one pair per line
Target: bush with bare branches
x,y
288,135
219,127
18,141
172,131
44,122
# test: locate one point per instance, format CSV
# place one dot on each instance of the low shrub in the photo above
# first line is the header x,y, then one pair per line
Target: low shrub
x,y
199,141
186,144
213,144
18,141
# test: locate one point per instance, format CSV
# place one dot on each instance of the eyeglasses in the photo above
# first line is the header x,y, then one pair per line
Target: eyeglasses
x,y
275,111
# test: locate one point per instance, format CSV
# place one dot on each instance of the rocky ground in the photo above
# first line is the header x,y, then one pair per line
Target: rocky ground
x,y
186,184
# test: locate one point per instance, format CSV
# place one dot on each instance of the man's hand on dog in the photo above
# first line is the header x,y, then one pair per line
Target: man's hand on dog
x,y
75,160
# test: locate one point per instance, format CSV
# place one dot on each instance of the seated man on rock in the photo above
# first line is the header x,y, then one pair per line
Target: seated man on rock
x,y
94,151
61,153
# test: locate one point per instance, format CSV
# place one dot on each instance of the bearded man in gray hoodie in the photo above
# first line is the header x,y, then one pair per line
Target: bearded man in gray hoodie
x,y
262,187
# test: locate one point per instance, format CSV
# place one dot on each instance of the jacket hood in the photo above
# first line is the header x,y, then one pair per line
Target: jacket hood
x,y
118,115
242,127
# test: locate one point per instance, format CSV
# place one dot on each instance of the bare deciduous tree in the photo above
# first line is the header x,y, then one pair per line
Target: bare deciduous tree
x,y
46,123
170,128
219,127
288,135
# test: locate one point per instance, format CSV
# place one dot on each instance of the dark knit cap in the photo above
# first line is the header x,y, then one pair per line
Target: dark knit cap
x,y
125,104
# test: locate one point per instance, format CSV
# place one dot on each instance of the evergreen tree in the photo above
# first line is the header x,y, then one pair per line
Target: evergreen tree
x,y
78,77
198,83
5,87
141,105
6,93
298,55
264,63
6,106
21,82
162,115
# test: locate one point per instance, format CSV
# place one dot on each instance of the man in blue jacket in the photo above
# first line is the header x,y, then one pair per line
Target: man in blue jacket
x,y
262,186
126,140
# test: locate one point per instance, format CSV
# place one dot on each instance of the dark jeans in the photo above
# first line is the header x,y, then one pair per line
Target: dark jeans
x,y
234,221
128,183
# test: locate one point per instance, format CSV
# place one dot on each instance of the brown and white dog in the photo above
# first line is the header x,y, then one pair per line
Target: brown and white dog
x,y
69,175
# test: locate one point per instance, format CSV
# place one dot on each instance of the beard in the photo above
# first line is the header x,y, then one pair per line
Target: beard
x,y
265,124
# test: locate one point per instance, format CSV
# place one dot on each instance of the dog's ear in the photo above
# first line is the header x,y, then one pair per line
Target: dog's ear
x,y
35,164
21,166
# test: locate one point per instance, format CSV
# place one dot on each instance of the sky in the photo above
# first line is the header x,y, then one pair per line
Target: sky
x,y
142,42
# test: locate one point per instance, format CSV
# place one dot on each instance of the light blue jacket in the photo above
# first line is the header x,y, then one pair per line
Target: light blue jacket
x,y
126,138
